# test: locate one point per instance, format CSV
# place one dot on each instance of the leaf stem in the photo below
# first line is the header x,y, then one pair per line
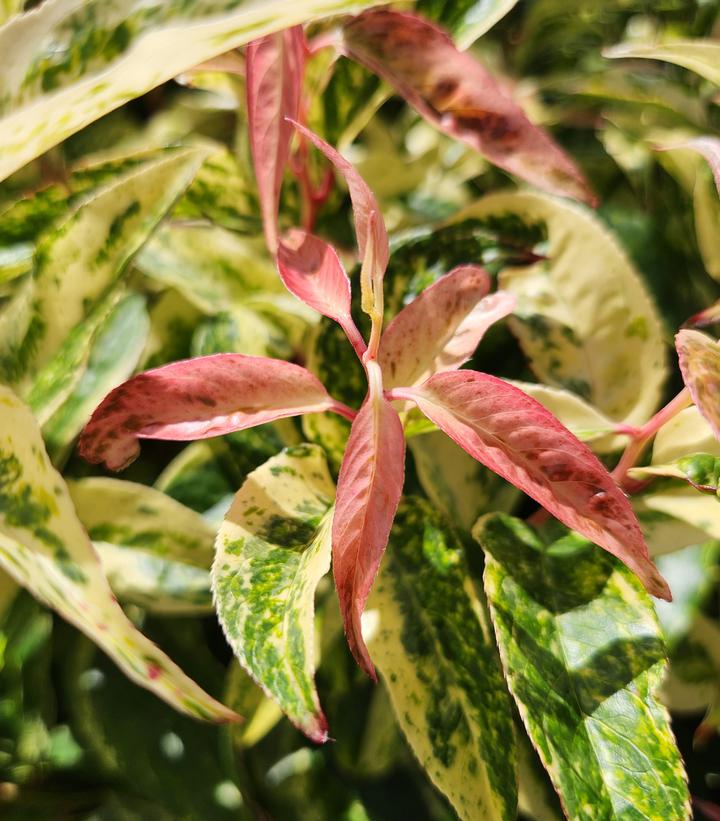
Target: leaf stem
x,y
343,410
354,336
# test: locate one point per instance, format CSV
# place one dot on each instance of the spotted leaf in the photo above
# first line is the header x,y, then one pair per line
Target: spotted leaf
x,y
368,492
197,399
440,329
583,655
517,438
46,549
271,551
274,76
428,633
454,92
699,357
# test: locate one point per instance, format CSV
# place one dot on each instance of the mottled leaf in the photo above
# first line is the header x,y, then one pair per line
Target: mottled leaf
x,y
699,357
440,329
700,56
271,551
701,470
467,20
65,66
274,77
261,713
583,656
45,548
368,491
197,399
454,92
427,631
516,437
583,315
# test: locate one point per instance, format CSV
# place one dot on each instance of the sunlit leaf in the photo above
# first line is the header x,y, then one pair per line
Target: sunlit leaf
x,y
426,629
700,56
45,548
699,357
584,657
272,550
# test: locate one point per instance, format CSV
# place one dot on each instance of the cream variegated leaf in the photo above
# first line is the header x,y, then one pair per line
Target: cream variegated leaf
x,y
427,633
700,56
271,551
583,317
248,700
699,510
584,657
46,549
66,64
685,433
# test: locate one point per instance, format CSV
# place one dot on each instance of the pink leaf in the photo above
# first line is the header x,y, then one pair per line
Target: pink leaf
x,y
457,95
368,493
518,439
311,270
700,365
369,225
275,66
197,399
440,329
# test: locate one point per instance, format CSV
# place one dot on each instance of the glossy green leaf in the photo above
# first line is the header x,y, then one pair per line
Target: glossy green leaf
x,y
701,470
271,551
583,655
65,66
466,20
700,56
45,548
583,317
427,632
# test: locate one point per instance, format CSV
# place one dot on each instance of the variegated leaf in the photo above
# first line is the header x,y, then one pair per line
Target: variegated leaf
x,y
274,79
197,399
115,352
701,470
368,492
518,439
261,713
271,551
700,56
584,304
45,548
427,631
454,92
584,656
64,66
440,329
467,20
685,504
699,357
687,432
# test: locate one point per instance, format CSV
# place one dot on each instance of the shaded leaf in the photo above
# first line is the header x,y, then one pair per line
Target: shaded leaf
x,y
45,548
427,631
584,656
271,551
700,56
467,20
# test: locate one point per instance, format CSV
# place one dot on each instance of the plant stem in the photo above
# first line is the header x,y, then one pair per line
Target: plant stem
x,y
343,410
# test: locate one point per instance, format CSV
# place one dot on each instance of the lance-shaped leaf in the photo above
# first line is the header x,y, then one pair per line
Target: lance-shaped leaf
x,y
584,656
466,20
67,65
700,56
699,357
517,438
701,470
440,329
709,147
271,551
369,225
197,399
456,94
46,549
428,633
368,492
311,269
275,65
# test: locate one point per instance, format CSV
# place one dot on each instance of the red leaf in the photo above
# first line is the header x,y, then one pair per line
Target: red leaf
x,y
440,329
368,493
457,95
275,66
518,439
197,399
700,365
311,270
369,225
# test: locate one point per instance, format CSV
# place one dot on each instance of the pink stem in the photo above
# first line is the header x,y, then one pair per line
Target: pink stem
x,y
355,337
343,410
400,393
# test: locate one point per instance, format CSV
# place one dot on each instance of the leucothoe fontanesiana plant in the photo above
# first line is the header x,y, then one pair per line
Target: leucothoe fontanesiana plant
x,y
172,261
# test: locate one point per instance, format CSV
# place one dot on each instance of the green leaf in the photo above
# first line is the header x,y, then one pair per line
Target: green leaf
x,y
261,714
71,65
584,656
9,8
584,304
271,551
113,357
172,323
467,20
701,470
45,548
427,634
700,56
